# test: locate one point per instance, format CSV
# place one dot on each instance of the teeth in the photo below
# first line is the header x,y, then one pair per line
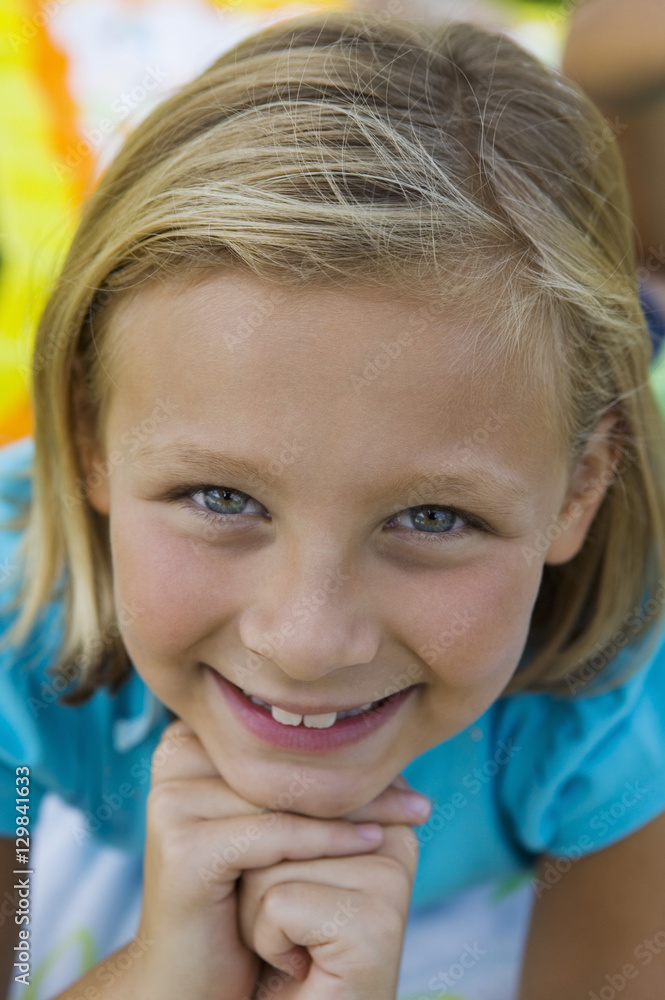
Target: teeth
x,y
324,721
320,721
286,718
311,721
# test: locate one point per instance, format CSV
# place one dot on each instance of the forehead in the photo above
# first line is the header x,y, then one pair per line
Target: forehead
x,y
353,372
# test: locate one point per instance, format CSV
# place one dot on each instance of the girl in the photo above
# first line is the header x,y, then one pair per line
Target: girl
x,y
347,474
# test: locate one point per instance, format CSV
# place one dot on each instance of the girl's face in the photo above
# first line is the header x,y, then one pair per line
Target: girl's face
x,y
321,498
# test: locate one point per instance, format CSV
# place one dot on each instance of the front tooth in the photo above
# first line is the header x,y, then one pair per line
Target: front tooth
x,y
321,721
286,718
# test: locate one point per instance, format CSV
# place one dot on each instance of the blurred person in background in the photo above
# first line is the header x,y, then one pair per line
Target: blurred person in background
x,y
615,50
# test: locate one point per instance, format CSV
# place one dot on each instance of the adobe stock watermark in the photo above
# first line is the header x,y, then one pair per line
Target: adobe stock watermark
x,y
111,802
7,570
389,352
432,489
255,318
632,624
563,12
560,523
303,611
473,781
59,340
229,855
394,8
29,26
458,624
590,152
329,929
289,452
49,691
114,968
653,262
644,952
92,139
397,682
130,440
381,361
446,979
602,821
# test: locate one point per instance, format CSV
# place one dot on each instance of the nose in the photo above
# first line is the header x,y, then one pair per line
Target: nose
x,y
310,625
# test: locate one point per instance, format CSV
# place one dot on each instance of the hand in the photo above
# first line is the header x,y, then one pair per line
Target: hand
x,y
200,836
335,926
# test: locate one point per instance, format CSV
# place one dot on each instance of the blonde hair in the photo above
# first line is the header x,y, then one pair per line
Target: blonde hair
x,y
345,148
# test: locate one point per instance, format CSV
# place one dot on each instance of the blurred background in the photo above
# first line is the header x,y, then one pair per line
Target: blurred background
x,y
77,75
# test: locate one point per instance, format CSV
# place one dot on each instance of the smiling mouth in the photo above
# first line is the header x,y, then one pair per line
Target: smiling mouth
x,y
340,729
322,721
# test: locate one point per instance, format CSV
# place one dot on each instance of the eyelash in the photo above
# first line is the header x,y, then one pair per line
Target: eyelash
x,y
183,496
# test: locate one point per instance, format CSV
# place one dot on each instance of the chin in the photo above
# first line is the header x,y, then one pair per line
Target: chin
x,y
324,797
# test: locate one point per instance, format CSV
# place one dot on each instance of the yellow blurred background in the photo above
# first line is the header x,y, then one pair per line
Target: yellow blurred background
x,y
77,75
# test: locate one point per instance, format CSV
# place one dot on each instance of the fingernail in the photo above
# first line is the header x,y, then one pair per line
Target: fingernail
x,y
370,831
417,805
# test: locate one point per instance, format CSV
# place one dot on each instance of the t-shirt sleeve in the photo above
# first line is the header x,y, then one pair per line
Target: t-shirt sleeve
x,y
35,732
590,770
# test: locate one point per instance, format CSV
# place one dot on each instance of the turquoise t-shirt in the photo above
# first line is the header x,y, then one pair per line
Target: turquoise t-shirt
x,y
535,774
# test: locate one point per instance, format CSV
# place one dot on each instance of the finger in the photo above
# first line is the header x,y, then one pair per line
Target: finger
x,y
266,839
296,916
394,805
344,874
401,843
348,936
371,874
184,799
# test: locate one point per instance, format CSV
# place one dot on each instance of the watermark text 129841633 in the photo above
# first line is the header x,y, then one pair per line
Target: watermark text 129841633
x,y
22,883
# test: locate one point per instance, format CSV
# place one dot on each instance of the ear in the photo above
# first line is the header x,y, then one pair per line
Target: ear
x,y
589,484
95,486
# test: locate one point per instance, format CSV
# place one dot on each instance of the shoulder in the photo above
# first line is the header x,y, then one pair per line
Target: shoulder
x,y
593,767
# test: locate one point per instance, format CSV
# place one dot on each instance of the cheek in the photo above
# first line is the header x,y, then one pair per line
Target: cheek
x,y
472,625
178,586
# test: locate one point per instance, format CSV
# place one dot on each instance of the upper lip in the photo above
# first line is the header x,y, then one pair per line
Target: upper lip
x,y
290,706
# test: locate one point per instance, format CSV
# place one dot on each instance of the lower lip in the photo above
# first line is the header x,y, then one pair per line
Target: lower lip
x,y
260,722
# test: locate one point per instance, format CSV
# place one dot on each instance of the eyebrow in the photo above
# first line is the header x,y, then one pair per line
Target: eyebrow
x,y
500,493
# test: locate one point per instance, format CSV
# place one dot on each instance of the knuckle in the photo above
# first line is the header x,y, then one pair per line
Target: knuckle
x,y
388,924
274,898
175,730
395,875
403,881
175,735
164,804
390,864
176,847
